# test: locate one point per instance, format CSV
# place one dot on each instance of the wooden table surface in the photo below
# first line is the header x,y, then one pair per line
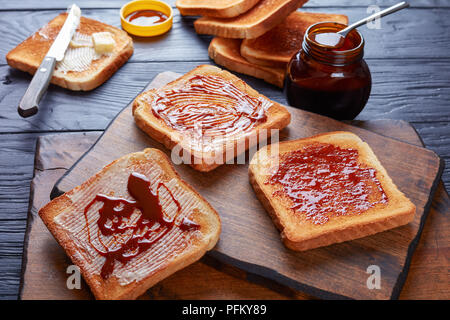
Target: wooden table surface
x,y
409,59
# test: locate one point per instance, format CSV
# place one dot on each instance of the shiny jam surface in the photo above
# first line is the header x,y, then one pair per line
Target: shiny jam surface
x,y
146,17
210,106
323,180
138,236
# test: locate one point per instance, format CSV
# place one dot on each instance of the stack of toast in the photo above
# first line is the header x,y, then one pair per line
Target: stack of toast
x,y
82,67
256,38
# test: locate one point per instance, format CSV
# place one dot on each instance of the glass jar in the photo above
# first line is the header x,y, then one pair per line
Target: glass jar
x,y
329,81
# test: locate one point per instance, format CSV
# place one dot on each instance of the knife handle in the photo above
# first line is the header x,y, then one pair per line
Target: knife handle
x,y
28,106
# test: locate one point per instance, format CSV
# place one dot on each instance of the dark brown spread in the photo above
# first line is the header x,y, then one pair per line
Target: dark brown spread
x,y
323,180
149,228
146,17
210,106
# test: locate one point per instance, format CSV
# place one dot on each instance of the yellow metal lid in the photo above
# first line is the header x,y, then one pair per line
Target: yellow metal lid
x,y
146,31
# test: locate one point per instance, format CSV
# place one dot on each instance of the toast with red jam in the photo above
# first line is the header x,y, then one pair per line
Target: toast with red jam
x,y
132,224
327,189
208,117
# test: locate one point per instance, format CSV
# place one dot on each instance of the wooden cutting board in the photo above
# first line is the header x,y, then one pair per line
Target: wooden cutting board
x,y
44,261
249,239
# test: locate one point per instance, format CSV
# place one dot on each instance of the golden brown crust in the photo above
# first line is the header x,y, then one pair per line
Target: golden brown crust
x,y
265,15
276,47
299,234
226,52
277,118
217,8
28,55
111,288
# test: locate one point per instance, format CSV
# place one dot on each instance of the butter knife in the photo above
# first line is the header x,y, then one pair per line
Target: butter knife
x,y
29,104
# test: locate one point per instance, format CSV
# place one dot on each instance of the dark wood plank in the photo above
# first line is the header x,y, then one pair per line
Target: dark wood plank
x,y
400,90
404,35
431,254
413,169
62,4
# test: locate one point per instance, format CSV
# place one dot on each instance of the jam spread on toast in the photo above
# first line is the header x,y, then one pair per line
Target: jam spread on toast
x,y
210,106
136,237
323,180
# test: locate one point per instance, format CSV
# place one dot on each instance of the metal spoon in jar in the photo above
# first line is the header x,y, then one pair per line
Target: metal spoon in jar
x,y
336,39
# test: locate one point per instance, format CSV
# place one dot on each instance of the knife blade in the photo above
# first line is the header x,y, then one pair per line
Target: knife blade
x,y
29,104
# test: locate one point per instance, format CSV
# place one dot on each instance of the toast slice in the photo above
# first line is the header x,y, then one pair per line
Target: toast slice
x,y
226,52
209,115
215,8
265,15
276,47
87,222
82,68
327,189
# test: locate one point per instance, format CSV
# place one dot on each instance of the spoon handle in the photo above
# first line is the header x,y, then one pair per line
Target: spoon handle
x,y
376,15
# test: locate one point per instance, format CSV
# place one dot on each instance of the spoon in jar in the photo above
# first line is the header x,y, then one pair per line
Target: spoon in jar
x,y
336,39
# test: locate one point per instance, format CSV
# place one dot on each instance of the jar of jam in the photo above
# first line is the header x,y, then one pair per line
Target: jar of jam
x,y
332,81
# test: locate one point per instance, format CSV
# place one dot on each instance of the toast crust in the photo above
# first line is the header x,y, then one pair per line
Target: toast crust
x,y
217,8
265,15
28,55
276,47
299,234
226,52
277,118
205,238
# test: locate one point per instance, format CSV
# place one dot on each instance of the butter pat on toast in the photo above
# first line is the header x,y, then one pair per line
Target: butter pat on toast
x,y
82,67
276,47
265,15
226,52
214,8
327,189
132,224
209,115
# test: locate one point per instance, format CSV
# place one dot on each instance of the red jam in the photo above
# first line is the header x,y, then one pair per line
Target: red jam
x,y
210,106
328,80
150,227
323,180
146,17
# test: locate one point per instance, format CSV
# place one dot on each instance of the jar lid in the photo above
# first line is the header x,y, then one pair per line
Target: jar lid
x,y
148,30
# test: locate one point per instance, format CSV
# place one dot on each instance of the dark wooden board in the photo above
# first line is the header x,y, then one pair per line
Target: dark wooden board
x,y
414,89
427,278
250,241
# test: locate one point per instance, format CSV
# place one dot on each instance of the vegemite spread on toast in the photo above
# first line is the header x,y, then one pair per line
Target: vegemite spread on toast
x,y
133,237
209,105
323,180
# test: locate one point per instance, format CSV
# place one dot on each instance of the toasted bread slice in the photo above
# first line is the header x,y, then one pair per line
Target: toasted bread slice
x,y
92,70
174,248
211,115
226,52
312,208
276,47
215,8
265,15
